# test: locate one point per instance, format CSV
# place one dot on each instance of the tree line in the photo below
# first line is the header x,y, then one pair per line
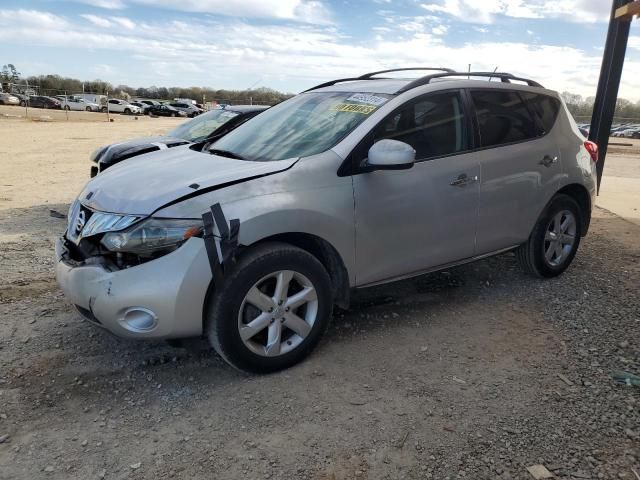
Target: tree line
x,y
580,107
58,85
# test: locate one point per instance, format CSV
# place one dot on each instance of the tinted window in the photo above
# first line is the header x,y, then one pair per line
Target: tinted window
x,y
545,110
434,126
502,117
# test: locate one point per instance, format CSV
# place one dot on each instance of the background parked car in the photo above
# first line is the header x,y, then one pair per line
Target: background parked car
x,y
203,129
79,104
116,105
189,108
42,101
166,111
23,98
9,99
144,108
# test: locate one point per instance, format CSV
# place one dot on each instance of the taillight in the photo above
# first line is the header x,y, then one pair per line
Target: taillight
x,y
592,148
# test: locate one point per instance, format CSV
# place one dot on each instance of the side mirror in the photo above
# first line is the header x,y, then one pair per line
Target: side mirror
x,y
391,155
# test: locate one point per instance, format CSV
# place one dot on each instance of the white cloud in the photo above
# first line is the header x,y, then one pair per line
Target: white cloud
x,y
110,22
302,55
32,18
123,22
308,11
103,70
97,21
108,4
485,11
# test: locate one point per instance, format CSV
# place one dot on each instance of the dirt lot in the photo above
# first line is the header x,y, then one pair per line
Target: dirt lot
x,y
476,372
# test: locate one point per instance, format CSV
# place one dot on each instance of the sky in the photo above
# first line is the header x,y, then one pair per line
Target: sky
x,y
291,45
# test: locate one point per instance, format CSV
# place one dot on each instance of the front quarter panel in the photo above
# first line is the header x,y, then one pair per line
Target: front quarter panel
x,y
307,198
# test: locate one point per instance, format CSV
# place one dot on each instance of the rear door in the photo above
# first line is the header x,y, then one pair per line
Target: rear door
x,y
519,160
408,221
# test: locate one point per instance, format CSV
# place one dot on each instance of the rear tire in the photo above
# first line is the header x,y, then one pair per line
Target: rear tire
x,y
66,107
88,109
555,239
278,342
127,111
173,114
103,109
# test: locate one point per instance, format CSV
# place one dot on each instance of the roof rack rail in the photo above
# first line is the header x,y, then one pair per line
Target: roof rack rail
x,y
503,76
369,76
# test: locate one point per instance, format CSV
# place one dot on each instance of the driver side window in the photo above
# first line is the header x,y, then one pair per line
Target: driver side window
x,y
434,125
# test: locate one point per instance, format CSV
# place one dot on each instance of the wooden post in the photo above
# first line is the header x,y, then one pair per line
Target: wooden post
x,y
609,82
626,12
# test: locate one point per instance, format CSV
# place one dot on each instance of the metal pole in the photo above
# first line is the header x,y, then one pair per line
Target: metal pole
x,y
26,102
66,104
610,73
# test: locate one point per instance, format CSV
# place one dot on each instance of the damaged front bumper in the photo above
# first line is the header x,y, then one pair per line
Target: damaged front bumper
x,y
162,298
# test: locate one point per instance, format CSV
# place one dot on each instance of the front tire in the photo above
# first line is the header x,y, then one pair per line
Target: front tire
x,y
271,309
555,239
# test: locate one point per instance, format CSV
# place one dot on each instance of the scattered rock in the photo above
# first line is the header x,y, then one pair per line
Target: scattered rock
x,y
539,472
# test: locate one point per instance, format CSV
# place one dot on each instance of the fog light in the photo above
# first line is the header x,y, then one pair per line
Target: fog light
x,y
139,319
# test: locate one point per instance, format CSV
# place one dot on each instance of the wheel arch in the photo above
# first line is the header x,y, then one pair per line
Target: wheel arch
x,y
326,254
581,195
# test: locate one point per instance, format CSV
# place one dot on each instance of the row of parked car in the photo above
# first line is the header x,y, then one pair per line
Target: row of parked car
x,y
624,130
113,105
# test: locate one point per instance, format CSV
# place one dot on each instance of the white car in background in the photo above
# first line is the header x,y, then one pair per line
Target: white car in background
x,y
121,106
79,104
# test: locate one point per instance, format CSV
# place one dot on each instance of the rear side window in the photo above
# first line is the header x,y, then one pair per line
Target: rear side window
x,y
545,110
433,125
502,117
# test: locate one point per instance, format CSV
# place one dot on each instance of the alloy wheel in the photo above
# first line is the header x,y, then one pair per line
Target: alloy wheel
x,y
278,313
559,238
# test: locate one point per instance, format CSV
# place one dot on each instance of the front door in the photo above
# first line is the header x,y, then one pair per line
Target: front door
x,y
408,221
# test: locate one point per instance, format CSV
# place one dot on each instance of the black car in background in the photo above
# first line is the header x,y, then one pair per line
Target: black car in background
x,y
199,131
165,111
41,101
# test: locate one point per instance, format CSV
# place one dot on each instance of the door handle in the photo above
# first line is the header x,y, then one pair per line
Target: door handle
x,y
548,160
463,180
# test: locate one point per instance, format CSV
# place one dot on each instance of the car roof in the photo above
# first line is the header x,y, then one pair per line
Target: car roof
x,y
394,86
246,108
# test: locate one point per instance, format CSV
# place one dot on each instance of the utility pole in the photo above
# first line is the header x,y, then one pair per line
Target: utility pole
x,y
622,12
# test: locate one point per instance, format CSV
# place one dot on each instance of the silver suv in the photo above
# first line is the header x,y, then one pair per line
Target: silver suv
x,y
356,182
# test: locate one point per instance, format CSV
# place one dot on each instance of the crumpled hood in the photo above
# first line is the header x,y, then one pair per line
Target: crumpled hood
x,y
156,179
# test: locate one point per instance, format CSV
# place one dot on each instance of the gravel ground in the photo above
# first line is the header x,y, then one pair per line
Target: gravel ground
x,y
476,372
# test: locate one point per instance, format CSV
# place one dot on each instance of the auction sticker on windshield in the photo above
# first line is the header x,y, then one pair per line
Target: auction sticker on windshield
x,y
368,99
353,108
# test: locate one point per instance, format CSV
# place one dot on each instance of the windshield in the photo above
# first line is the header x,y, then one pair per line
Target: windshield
x,y
304,125
203,125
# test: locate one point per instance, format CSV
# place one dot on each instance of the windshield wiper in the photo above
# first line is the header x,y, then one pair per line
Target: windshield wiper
x,y
226,153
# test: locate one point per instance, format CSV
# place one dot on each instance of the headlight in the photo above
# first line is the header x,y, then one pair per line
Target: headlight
x,y
152,235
